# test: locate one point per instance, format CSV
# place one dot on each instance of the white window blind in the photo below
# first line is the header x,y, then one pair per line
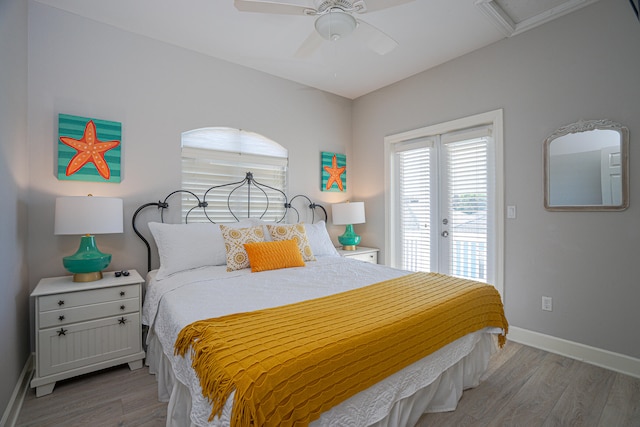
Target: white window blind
x,y
217,156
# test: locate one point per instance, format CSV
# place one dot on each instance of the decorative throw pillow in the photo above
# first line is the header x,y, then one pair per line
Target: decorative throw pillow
x,y
293,232
234,240
274,255
319,239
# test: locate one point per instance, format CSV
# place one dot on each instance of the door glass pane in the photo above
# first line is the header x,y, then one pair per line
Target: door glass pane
x,y
467,179
414,167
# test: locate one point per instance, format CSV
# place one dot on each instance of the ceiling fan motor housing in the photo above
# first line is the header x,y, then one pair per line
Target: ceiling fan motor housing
x,y
327,5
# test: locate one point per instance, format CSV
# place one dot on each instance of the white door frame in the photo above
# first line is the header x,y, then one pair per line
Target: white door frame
x,y
493,118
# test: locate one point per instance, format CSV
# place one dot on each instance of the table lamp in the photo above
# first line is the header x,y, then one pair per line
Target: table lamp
x,y
348,214
88,215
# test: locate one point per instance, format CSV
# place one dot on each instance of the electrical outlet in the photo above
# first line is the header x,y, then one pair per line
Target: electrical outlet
x,y
547,303
511,212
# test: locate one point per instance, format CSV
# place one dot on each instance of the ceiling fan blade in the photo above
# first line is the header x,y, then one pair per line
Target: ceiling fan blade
x,y
374,38
363,6
272,7
309,45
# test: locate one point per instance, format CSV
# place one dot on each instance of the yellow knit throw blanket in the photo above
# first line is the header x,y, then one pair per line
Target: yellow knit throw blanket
x,y
289,364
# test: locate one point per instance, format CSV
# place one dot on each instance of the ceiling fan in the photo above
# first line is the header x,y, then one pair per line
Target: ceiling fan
x,y
334,20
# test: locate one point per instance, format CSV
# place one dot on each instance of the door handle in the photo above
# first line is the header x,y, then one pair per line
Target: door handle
x,y
445,233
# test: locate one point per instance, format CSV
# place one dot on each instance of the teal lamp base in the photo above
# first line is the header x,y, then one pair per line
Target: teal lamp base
x,y
349,240
88,262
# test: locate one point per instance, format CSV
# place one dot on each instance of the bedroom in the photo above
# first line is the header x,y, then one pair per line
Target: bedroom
x,y
542,79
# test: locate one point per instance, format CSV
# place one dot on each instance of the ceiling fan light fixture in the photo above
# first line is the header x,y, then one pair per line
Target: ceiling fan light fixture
x,y
335,24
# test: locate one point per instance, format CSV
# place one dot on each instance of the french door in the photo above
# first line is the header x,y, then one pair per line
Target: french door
x,y
443,202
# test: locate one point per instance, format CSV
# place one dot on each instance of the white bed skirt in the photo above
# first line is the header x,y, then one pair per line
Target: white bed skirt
x,y
445,374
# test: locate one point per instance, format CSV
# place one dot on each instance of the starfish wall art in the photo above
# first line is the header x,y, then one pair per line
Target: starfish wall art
x,y
88,149
333,171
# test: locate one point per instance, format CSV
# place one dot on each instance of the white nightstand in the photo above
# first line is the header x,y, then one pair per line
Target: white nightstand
x,y
361,253
84,327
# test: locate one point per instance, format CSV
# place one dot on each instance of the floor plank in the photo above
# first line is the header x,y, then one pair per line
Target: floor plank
x,y
584,399
623,406
538,395
500,387
111,397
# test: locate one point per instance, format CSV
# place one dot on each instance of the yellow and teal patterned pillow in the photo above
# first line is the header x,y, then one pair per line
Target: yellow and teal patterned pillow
x,y
234,240
293,232
273,255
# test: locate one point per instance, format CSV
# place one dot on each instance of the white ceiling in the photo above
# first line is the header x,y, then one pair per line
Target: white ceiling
x,y
429,33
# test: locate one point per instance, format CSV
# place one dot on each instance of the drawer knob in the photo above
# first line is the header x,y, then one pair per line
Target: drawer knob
x,y
122,307
61,332
61,302
121,293
122,320
61,318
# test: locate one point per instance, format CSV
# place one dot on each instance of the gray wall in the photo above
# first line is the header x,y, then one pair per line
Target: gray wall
x,y
14,289
585,65
157,91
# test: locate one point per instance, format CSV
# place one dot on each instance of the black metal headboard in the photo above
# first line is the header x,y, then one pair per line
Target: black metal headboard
x,y
250,183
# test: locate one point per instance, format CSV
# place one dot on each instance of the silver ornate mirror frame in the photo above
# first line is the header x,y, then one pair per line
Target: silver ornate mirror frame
x,y
570,184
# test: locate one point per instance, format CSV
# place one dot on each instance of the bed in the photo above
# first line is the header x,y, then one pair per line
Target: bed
x,y
193,282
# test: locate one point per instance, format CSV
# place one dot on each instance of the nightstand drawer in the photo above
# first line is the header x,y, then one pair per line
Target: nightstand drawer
x,y
371,257
88,312
75,299
361,253
65,348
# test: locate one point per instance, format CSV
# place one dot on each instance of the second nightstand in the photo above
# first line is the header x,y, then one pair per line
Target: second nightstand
x,y
361,253
83,327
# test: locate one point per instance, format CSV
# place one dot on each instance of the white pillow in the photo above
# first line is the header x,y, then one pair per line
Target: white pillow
x,y
188,246
319,239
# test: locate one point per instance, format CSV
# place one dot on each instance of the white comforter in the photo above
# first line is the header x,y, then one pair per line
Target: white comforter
x,y
183,298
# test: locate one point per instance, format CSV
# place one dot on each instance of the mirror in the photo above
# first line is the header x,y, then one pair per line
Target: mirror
x,y
586,167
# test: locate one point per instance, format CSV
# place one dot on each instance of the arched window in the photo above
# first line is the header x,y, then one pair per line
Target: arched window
x,y
219,155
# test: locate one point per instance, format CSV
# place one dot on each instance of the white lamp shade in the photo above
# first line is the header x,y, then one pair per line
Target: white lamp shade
x,y
335,24
348,213
88,215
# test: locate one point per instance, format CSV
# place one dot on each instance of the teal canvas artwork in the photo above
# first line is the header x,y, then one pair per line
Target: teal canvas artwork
x,y
334,172
89,149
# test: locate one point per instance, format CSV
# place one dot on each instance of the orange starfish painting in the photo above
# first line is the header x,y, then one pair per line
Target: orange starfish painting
x,y
89,150
335,173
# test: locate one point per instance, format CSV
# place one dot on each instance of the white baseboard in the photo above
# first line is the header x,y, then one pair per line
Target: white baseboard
x,y
10,416
606,359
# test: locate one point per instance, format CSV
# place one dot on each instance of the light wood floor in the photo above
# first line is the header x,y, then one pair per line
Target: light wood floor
x,y
522,387
111,397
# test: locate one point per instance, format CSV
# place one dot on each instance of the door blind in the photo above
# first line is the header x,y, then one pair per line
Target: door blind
x,y
414,197
466,164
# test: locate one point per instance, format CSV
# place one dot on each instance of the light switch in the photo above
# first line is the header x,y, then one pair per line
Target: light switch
x,y
511,212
